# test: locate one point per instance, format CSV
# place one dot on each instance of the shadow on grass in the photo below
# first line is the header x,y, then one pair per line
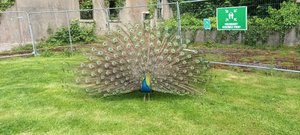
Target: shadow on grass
x,y
137,95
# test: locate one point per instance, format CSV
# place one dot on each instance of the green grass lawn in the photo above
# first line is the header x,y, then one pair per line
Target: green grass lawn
x,y
38,96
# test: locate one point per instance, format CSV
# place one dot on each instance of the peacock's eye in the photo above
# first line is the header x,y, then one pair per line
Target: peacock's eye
x,y
152,37
100,53
166,51
175,43
181,53
151,44
142,41
167,35
173,50
110,49
169,59
147,28
114,63
107,58
140,33
115,40
116,55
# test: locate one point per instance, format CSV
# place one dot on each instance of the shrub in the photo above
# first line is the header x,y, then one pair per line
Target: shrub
x,y
5,4
281,20
79,33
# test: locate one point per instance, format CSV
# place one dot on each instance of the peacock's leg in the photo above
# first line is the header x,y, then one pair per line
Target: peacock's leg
x,y
145,96
149,96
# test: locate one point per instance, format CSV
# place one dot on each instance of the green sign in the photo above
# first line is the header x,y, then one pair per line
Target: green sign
x,y
206,24
232,18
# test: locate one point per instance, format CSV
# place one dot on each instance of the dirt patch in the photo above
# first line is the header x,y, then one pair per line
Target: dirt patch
x,y
257,57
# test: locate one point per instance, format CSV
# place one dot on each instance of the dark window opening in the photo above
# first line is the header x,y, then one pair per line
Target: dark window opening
x,y
146,16
159,9
86,7
113,12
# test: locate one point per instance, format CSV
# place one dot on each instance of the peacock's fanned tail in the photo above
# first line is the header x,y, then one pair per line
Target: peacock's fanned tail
x,y
120,63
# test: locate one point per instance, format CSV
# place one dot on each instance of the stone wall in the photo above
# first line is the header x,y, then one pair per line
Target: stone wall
x,y
14,28
134,14
291,38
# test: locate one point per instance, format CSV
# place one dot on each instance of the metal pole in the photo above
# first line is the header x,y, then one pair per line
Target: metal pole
x,y
179,22
35,53
69,29
107,18
253,66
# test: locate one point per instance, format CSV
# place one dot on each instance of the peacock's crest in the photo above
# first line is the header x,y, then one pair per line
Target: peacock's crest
x,y
138,53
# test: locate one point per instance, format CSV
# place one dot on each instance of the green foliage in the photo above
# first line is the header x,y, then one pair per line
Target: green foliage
x,y
260,7
151,8
205,9
200,9
5,4
118,3
47,53
86,5
286,17
114,13
79,34
259,29
188,21
209,44
298,49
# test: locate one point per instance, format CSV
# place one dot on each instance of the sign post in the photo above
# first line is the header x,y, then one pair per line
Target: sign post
x,y
232,18
206,24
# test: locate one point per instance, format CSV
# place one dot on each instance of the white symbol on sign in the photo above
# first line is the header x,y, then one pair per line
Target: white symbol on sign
x,y
230,15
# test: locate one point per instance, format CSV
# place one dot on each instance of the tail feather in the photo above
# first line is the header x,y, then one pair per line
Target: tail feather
x,y
119,64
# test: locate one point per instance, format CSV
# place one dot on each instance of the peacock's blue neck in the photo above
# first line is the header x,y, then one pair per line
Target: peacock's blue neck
x,y
145,87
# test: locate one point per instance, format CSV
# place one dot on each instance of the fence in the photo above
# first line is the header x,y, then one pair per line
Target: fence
x,y
41,25
18,30
34,27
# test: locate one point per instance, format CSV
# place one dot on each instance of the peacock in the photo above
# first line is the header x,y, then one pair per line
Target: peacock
x,y
144,58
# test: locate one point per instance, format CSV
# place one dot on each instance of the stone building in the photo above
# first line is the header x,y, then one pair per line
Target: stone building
x,y
48,15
